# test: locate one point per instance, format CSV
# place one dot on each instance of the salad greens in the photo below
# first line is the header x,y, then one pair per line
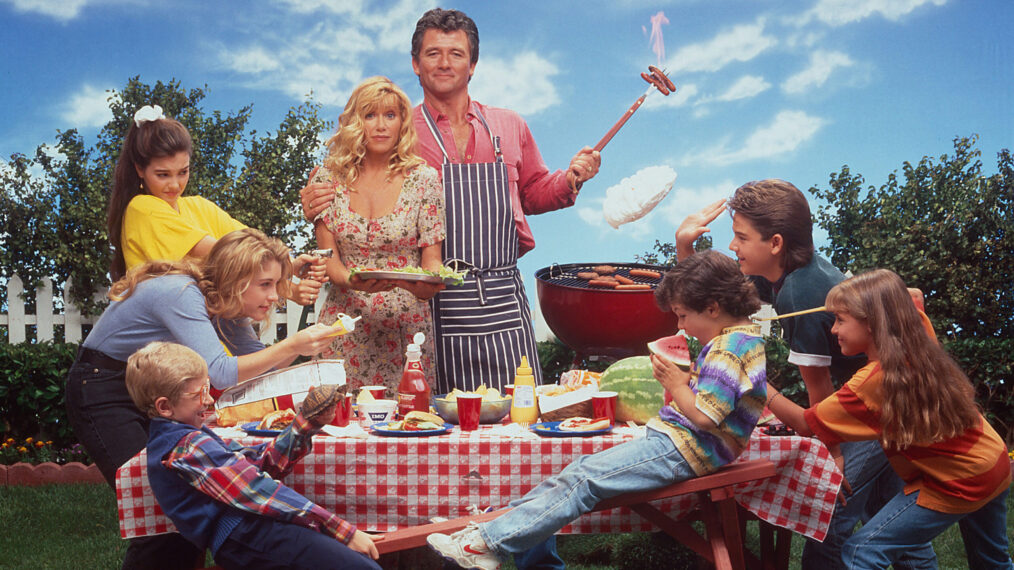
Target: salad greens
x,y
446,274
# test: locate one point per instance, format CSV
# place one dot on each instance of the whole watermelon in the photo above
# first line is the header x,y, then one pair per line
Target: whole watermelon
x,y
640,395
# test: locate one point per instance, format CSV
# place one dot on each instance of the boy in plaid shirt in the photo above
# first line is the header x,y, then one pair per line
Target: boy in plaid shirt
x,y
227,497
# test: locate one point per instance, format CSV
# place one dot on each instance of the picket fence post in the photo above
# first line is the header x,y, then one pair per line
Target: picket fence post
x,y
47,318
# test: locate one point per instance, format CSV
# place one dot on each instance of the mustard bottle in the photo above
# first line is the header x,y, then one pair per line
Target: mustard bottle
x,y
524,404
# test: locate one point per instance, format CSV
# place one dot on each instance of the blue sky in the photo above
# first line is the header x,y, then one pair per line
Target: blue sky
x,y
765,88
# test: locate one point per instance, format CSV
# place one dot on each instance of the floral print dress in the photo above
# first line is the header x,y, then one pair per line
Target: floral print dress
x,y
374,352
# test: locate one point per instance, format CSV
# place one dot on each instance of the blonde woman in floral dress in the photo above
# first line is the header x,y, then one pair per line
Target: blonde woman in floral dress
x,y
387,213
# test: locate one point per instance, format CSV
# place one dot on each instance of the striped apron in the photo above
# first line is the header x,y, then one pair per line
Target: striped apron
x,y
483,326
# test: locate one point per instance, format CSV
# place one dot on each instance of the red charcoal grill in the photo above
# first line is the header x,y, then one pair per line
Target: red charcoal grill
x,y
602,322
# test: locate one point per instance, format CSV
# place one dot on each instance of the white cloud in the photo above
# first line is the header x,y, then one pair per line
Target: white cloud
x,y
822,65
685,201
523,83
740,43
744,88
684,93
841,12
87,108
62,10
784,134
328,58
252,60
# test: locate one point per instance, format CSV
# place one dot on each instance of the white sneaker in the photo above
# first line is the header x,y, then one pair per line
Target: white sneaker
x,y
466,548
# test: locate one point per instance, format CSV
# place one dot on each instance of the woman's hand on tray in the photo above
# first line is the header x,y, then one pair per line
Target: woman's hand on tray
x,y
371,285
422,290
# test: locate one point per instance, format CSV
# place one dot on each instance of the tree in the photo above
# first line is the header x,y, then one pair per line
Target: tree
x,y
945,229
53,225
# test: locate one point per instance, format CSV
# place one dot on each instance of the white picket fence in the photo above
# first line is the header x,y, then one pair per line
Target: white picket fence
x,y
46,319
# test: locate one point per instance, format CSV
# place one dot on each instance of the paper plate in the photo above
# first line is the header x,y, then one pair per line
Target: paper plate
x,y
251,428
552,429
381,429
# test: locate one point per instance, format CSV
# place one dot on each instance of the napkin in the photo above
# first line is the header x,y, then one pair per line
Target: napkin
x,y
352,430
513,431
634,430
228,432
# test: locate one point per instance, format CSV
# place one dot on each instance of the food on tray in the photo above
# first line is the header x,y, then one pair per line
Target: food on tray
x,y
673,348
606,283
417,421
583,424
623,280
604,269
278,419
587,275
634,287
444,273
640,395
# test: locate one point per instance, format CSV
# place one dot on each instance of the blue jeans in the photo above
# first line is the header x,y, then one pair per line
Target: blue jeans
x,y
262,543
873,483
638,465
902,525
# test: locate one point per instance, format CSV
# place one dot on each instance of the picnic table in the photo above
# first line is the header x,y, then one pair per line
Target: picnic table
x,y
382,484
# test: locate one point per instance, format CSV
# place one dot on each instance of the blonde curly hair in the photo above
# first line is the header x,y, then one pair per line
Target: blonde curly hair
x,y
348,146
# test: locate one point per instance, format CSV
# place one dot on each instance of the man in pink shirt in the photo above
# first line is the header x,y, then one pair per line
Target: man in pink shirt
x,y
493,175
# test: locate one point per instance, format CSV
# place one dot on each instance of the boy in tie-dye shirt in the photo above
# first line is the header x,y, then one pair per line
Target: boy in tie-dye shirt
x,y
706,425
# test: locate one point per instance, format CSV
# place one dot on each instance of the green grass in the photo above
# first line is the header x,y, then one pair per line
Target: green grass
x,y
75,526
59,526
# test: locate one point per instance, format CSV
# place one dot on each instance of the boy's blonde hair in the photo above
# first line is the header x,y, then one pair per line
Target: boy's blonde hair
x,y
161,369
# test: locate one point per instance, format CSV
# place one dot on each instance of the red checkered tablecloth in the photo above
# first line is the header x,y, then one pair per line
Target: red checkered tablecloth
x,y
382,484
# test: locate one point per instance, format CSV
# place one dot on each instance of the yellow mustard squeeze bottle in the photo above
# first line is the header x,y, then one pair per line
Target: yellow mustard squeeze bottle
x,y
524,404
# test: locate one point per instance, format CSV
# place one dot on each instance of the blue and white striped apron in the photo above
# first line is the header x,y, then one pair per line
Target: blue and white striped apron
x,y
485,325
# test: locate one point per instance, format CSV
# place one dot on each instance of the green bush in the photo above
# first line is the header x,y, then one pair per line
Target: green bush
x,y
989,363
32,377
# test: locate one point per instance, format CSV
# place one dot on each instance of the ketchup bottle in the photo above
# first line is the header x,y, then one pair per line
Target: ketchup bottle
x,y
413,391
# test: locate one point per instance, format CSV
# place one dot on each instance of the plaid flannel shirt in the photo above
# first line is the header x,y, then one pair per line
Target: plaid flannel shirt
x,y
246,478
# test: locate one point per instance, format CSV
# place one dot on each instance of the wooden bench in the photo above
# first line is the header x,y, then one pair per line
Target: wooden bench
x,y
722,543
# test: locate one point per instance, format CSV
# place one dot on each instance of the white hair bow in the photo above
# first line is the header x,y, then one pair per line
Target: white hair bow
x,y
148,113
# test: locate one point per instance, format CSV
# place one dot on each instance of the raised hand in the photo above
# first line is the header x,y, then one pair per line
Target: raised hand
x,y
694,226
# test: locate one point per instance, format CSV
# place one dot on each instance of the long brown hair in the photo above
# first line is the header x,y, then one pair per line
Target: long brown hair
x,y
348,146
926,396
153,139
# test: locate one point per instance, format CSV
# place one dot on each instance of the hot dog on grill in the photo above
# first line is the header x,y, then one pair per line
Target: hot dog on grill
x,y
644,273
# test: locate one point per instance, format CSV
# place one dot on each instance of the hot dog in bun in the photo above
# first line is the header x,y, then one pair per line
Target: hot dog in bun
x,y
278,419
584,424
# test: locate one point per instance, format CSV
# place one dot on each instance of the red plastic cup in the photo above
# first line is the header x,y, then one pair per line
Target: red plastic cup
x,y
604,405
469,410
343,414
508,390
377,391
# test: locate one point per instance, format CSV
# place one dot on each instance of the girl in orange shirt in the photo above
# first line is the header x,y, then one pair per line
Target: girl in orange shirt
x,y
917,402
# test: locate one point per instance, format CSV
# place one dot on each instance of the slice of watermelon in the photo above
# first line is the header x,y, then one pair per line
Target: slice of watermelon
x,y
673,348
